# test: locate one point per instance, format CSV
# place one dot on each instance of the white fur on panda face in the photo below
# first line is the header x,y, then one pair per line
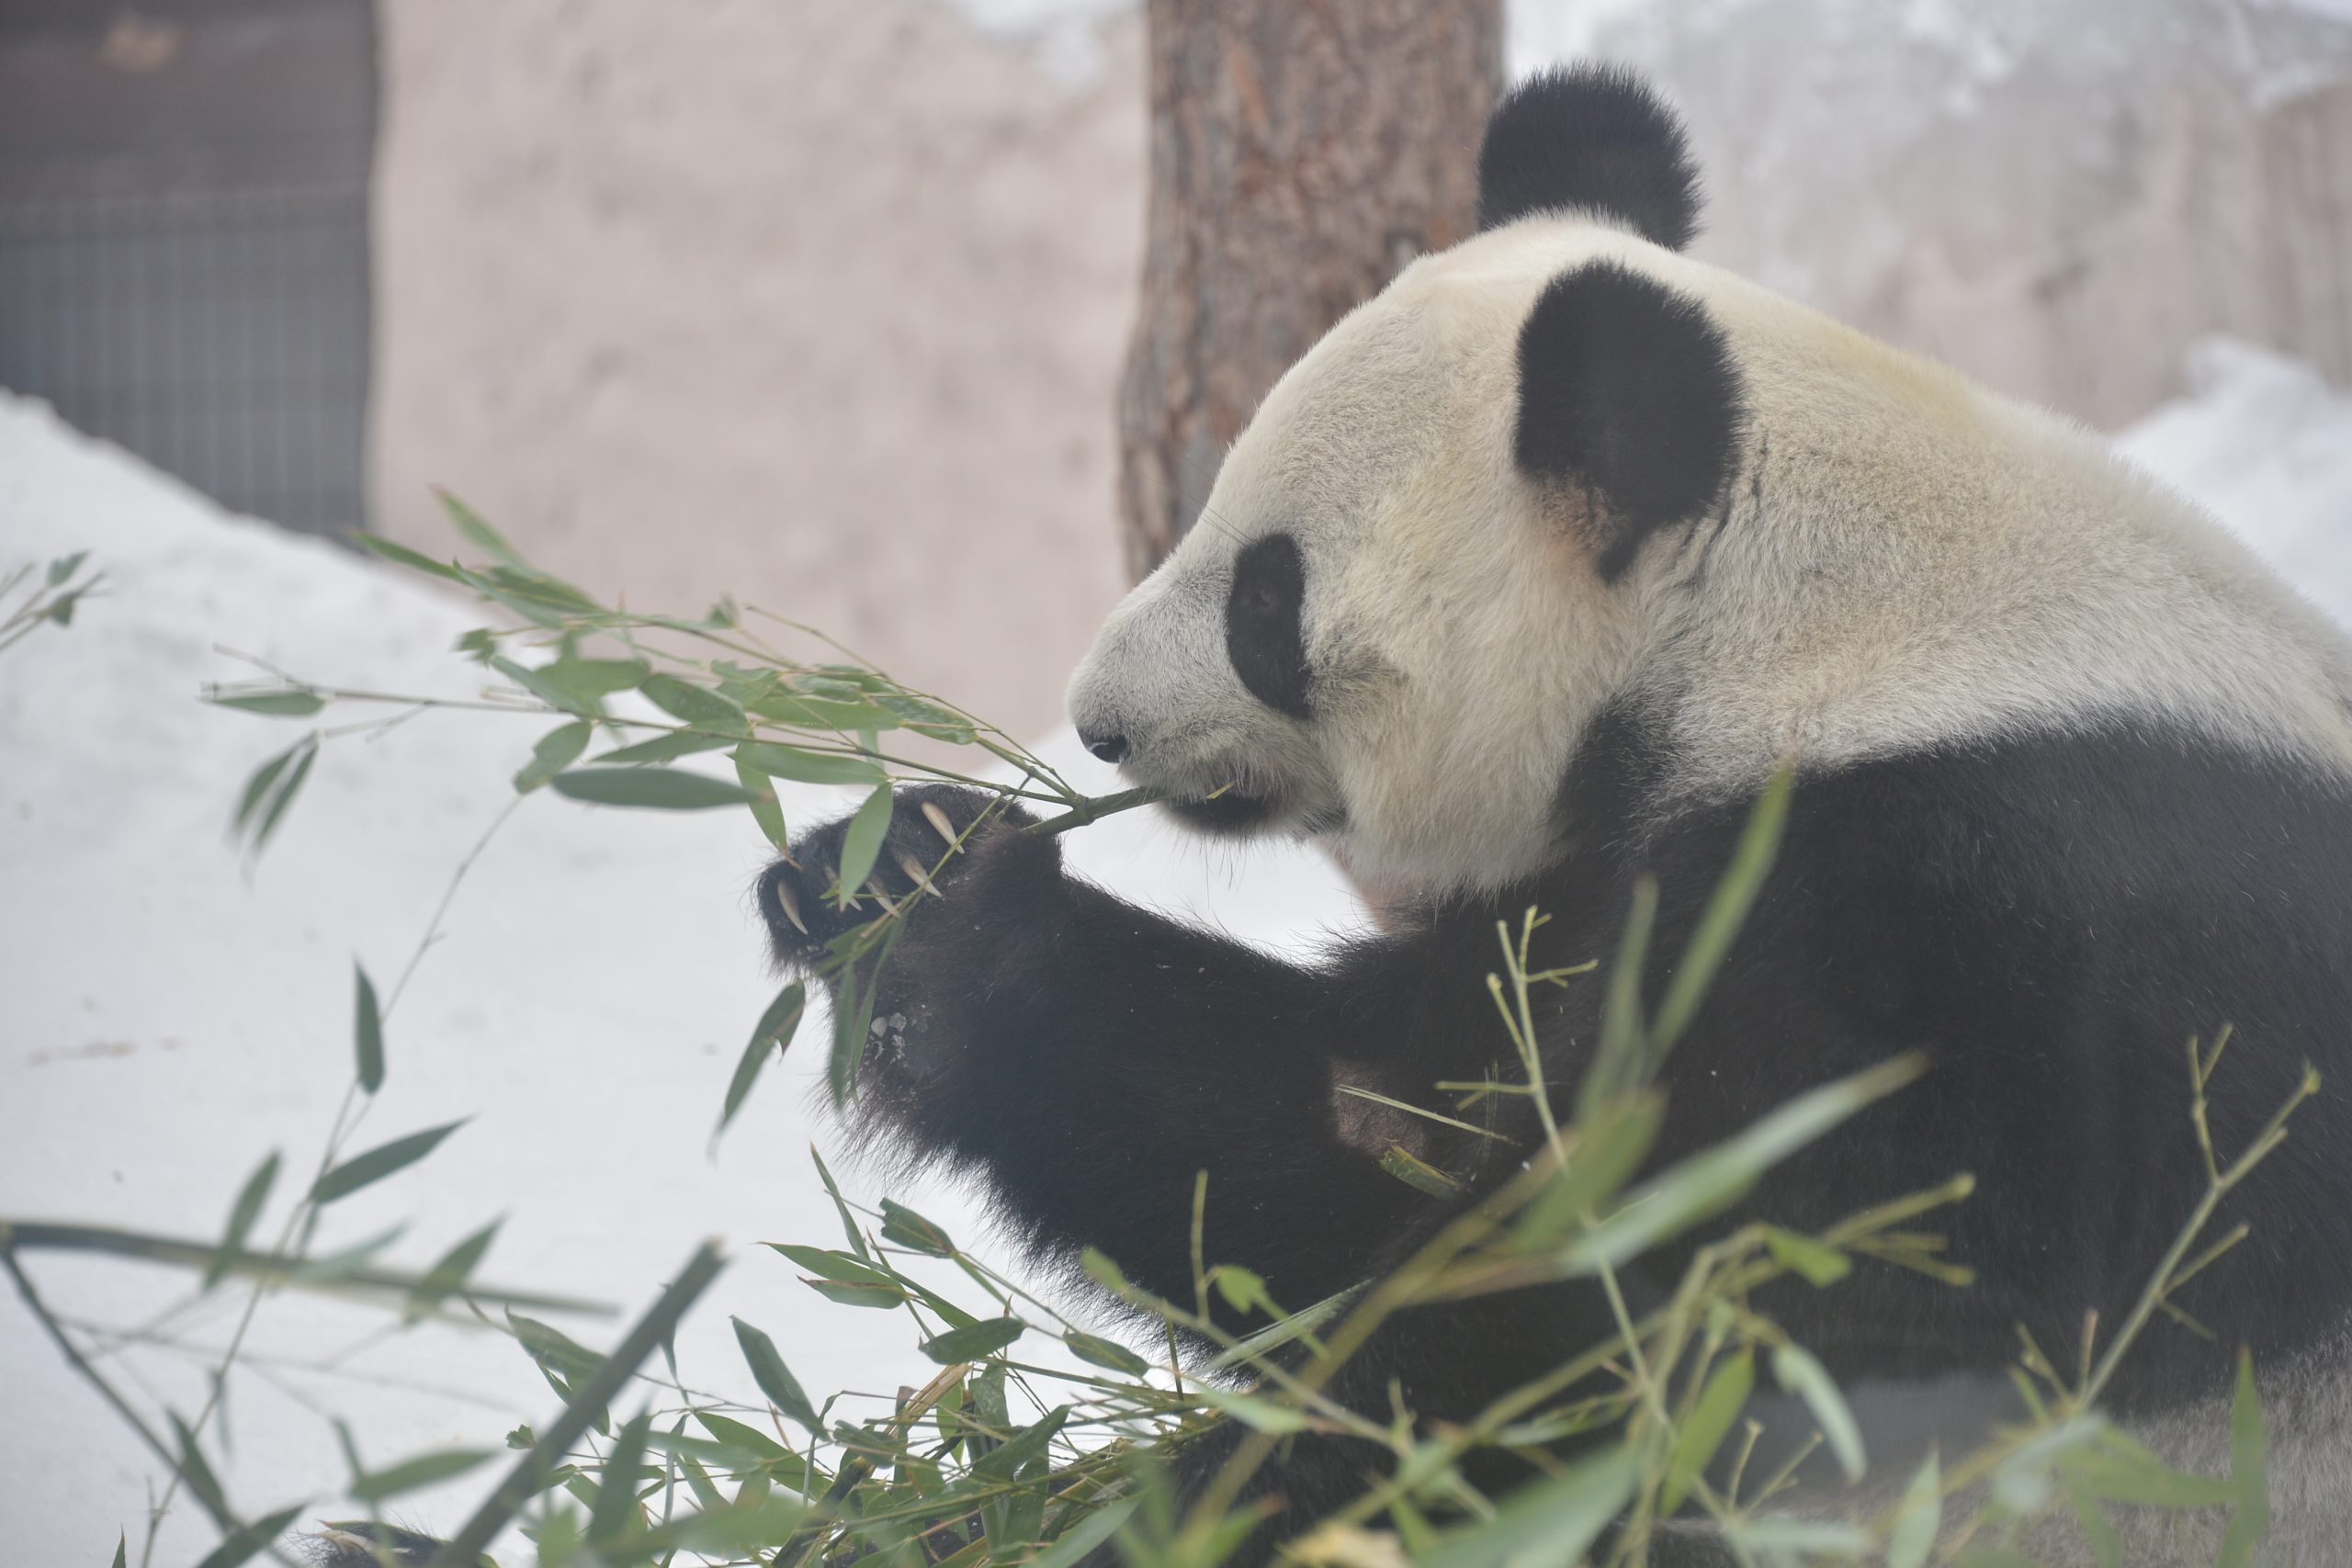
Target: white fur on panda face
x,y
1456,636
1905,562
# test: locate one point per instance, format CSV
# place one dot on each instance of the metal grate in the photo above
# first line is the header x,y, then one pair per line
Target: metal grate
x,y
220,334
184,237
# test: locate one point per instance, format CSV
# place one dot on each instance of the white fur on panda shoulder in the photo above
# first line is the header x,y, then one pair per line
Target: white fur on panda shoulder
x,y
1903,560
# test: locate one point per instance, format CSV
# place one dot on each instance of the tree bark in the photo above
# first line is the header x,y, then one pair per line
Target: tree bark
x,y
1302,152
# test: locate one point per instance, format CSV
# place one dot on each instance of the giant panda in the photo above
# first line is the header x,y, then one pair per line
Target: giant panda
x,y
1516,589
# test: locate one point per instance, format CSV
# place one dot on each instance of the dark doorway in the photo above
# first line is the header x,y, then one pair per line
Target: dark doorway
x,y
184,238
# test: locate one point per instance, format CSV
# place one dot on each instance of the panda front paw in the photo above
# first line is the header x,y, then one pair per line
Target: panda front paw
x,y
945,843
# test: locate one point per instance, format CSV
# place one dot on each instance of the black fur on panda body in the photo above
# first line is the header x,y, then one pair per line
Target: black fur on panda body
x,y
1087,1058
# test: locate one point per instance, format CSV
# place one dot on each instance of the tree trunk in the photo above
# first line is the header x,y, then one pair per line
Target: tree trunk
x,y
1302,152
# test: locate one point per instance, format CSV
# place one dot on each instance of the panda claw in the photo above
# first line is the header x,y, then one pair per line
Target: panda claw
x,y
874,885
789,902
915,875
938,820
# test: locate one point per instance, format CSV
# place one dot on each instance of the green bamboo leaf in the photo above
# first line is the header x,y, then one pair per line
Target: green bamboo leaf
x,y
707,1494
1618,1067
1817,1264
2114,1476
122,1550
242,1215
657,789
844,1278
252,1541
1417,1173
2106,1541
855,992
363,1170
1709,1182
697,706
344,1262
1615,1140
551,1348
2249,1472
1720,1402
1097,1266
376,544
774,1028
614,1513
775,1380
664,749
450,1271
1257,1414
596,677
1244,1290
557,697
862,845
974,1341
1917,1518
270,704
478,532
2022,1482
804,712
195,1470
411,1474
283,796
750,1440
904,1227
1783,1537
840,1205
1796,1371
368,1032
257,787
827,1264
528,585
1727,909
1548,1521
556,750
64,567
847,1295
1077,1542
781,761
1106,1354
705,1450
1007,1461
766,810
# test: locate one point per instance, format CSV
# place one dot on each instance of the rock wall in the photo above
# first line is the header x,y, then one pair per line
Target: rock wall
x,y
821,305
2058,198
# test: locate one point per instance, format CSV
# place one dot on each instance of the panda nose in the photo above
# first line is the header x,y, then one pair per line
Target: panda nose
x,y
1110,748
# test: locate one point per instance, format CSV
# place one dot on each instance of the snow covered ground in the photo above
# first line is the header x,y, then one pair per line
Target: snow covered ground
x,y
165,1018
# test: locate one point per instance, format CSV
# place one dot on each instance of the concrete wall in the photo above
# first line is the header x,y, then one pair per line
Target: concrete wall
x,y
820,303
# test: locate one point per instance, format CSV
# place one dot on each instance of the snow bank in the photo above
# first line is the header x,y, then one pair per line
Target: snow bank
x,y
167,1020
2267,445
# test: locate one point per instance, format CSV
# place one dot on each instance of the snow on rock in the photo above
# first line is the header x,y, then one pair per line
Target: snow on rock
x,y
168,1019
2267,445
1064,34
2057,198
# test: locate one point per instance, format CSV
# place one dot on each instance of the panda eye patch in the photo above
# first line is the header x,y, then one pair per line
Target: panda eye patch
x,y
1263,633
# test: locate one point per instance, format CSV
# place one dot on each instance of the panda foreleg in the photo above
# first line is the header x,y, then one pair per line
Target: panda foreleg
x,y
1089,1059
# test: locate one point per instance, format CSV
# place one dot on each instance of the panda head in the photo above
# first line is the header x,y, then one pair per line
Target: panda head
x,y
1419,572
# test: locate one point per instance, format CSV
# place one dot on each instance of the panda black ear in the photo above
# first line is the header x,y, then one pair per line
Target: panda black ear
x,y
1589,137
1628,393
